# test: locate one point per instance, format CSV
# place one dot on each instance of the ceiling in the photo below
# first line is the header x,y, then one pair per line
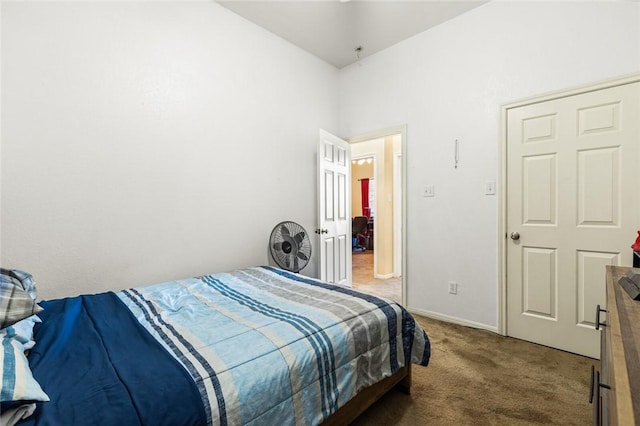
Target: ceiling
x,y
333,29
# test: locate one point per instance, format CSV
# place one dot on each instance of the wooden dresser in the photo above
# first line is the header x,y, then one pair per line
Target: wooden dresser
x,y
615,389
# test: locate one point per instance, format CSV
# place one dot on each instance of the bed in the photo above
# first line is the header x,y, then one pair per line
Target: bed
x,y
259,346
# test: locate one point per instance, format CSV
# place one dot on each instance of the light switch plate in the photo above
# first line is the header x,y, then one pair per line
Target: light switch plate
x,y
490,188
429,191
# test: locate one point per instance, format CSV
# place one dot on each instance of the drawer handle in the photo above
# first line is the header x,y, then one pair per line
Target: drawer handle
x,y
594,388
591,384
598,323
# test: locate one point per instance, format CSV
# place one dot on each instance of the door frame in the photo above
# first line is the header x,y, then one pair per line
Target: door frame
x,y
377,134
502,183
397,213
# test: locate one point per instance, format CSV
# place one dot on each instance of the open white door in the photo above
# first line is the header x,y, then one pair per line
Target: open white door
x,y
334,209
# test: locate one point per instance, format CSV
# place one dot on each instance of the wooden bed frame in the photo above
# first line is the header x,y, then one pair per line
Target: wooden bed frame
x,y
368,396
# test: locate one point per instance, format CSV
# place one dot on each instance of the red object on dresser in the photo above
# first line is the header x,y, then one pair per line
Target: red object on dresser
x,y
636,246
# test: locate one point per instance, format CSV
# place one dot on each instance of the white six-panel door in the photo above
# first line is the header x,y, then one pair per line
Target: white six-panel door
x,y
334,205
572,208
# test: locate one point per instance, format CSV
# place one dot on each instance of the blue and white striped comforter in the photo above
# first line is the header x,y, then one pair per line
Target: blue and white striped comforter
x,y
265,346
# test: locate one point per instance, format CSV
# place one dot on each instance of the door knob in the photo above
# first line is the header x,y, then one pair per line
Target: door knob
x,y
515,236
322,231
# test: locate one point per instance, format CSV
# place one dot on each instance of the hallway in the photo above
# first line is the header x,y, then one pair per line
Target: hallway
x,y
363,280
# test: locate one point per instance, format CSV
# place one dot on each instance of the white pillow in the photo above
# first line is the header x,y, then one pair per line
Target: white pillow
x,y
16,380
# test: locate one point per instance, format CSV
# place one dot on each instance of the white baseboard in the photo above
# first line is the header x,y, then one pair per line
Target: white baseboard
x,y
383,276
454,320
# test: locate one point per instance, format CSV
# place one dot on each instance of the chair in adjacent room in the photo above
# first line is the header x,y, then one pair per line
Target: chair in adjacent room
x,y
359,233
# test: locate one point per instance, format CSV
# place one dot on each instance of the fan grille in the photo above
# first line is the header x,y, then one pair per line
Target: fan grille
x,y
290,246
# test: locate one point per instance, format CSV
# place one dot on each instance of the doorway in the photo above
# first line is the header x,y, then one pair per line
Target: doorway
x,y
377,185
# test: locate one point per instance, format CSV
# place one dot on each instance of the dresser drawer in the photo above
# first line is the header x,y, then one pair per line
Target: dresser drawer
x,y
616,386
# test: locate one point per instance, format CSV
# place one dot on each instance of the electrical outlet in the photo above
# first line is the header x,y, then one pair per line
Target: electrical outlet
x,y
453,287
429,191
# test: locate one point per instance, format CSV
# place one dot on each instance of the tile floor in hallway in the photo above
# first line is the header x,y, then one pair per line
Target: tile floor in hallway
x,y
363,280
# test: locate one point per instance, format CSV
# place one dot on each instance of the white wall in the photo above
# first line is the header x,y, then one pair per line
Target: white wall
x,y
448,83
149,141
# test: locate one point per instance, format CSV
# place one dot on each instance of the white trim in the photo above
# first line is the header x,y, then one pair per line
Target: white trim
x,y
453,320
576,90
502,225
397,214
383,276
377,134
502,176
390,131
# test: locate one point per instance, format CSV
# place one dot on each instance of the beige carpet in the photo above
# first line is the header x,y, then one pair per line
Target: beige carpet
x,y
363,279
480,378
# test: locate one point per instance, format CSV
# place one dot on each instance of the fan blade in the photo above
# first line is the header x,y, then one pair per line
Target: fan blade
x,y
287,262
299,237
296,268
277,246
285,231
302,256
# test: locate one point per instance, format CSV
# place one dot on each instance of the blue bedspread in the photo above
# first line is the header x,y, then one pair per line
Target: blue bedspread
x,y
259,346
100,367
